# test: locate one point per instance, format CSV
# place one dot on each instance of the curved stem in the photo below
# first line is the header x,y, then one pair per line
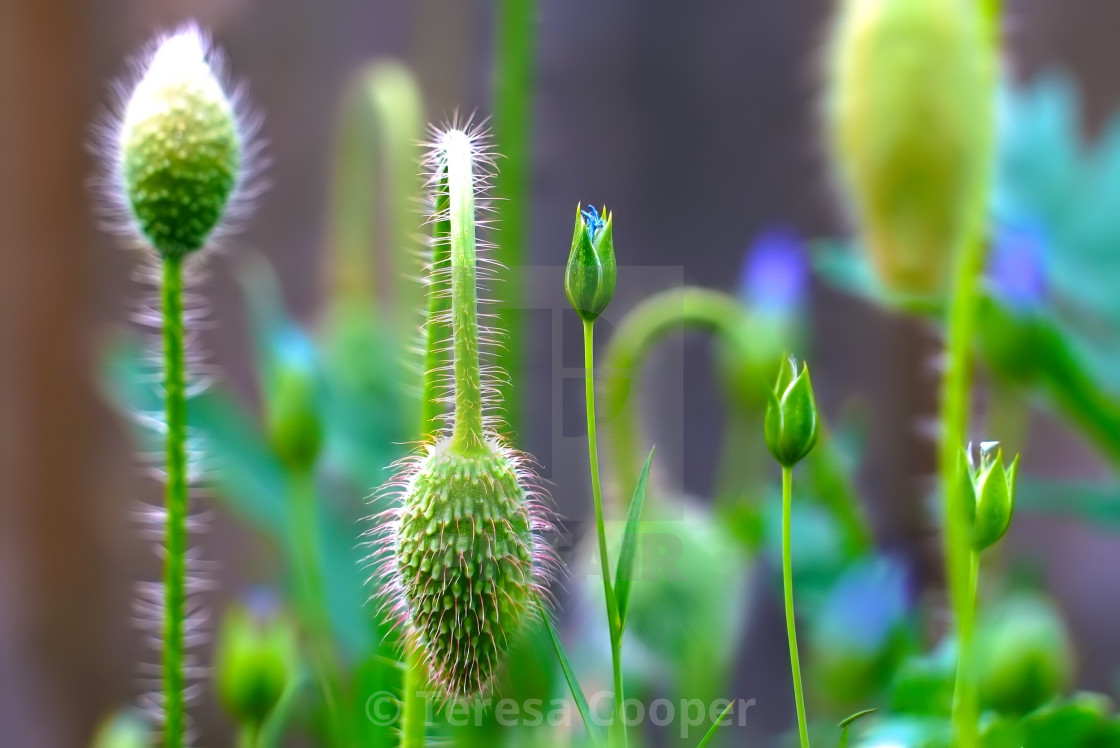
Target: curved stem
x,y
176,501
787,586
618,728
458,152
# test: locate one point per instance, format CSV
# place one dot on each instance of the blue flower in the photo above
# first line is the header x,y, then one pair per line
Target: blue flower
x,y
1017,267
775,274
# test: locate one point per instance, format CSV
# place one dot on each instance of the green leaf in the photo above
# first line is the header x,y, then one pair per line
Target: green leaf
x,y
846,725
624,574
573,684
715,726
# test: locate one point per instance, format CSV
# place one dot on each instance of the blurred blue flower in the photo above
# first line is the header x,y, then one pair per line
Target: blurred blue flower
x,y
865,607
775,276
1017,267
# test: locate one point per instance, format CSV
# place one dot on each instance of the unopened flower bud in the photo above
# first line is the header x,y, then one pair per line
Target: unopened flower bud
x,y
256,660
791,425
591,273
179,147
293,402
990,489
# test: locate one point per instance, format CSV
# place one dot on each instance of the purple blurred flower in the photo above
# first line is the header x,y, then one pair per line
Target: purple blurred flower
x,y
866,605
1017,267
775,274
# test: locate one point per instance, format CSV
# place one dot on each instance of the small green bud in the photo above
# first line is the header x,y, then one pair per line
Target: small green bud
x,y
990,496
292,407
255,661
591,273
126,729
791,422
179,147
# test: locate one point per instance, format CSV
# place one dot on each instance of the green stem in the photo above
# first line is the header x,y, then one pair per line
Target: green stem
x,y
313,601
964,690
618,728
249,735
176,500
513,101
413,716
787,585
436,330
468,435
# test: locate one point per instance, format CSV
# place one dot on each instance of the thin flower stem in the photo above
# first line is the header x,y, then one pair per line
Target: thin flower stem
x,y
618,728
964,690
175,571
313,603
413,717
787,584
249,735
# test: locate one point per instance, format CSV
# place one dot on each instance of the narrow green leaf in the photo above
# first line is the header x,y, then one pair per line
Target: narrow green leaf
x,y
573,684
625,571
846,725
715,726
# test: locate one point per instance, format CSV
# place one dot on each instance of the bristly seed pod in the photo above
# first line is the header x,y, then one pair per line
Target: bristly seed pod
x,y
178,154
463,561
911,94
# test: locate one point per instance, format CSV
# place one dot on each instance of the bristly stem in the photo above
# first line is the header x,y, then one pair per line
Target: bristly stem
x,y
467,435
787,585
176,502
513,103
618,728
954,417
436,330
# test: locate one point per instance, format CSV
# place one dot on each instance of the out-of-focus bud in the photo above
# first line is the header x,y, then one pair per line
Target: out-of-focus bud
x,y
910,110
1024,656
990,495
293,402
255,661
589,279
791,425
127,729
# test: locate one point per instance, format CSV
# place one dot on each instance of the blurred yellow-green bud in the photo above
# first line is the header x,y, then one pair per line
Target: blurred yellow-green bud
x,y
589,279
179,147
990,496
791,424
255,661
293,402
910,101
1024,656
126,729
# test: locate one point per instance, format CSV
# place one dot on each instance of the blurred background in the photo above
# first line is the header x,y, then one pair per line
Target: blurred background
x,y
696,123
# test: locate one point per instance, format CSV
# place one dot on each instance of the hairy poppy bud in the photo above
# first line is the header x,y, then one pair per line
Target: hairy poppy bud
x,y
911,94
179,147
591,273
791,422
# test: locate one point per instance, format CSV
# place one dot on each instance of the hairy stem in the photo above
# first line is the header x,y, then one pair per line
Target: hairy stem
x,y
618,728
467,435
513,101
176,504
787,585
436,330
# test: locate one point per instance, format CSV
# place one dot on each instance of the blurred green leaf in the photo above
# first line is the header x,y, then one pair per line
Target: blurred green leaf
x,y
573,684
715,726
624,575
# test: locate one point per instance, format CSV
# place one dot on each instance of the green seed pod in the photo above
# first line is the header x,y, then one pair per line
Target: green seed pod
x,y
990,496
910,102
1024,656
590,277
179,147
791,424
255,661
